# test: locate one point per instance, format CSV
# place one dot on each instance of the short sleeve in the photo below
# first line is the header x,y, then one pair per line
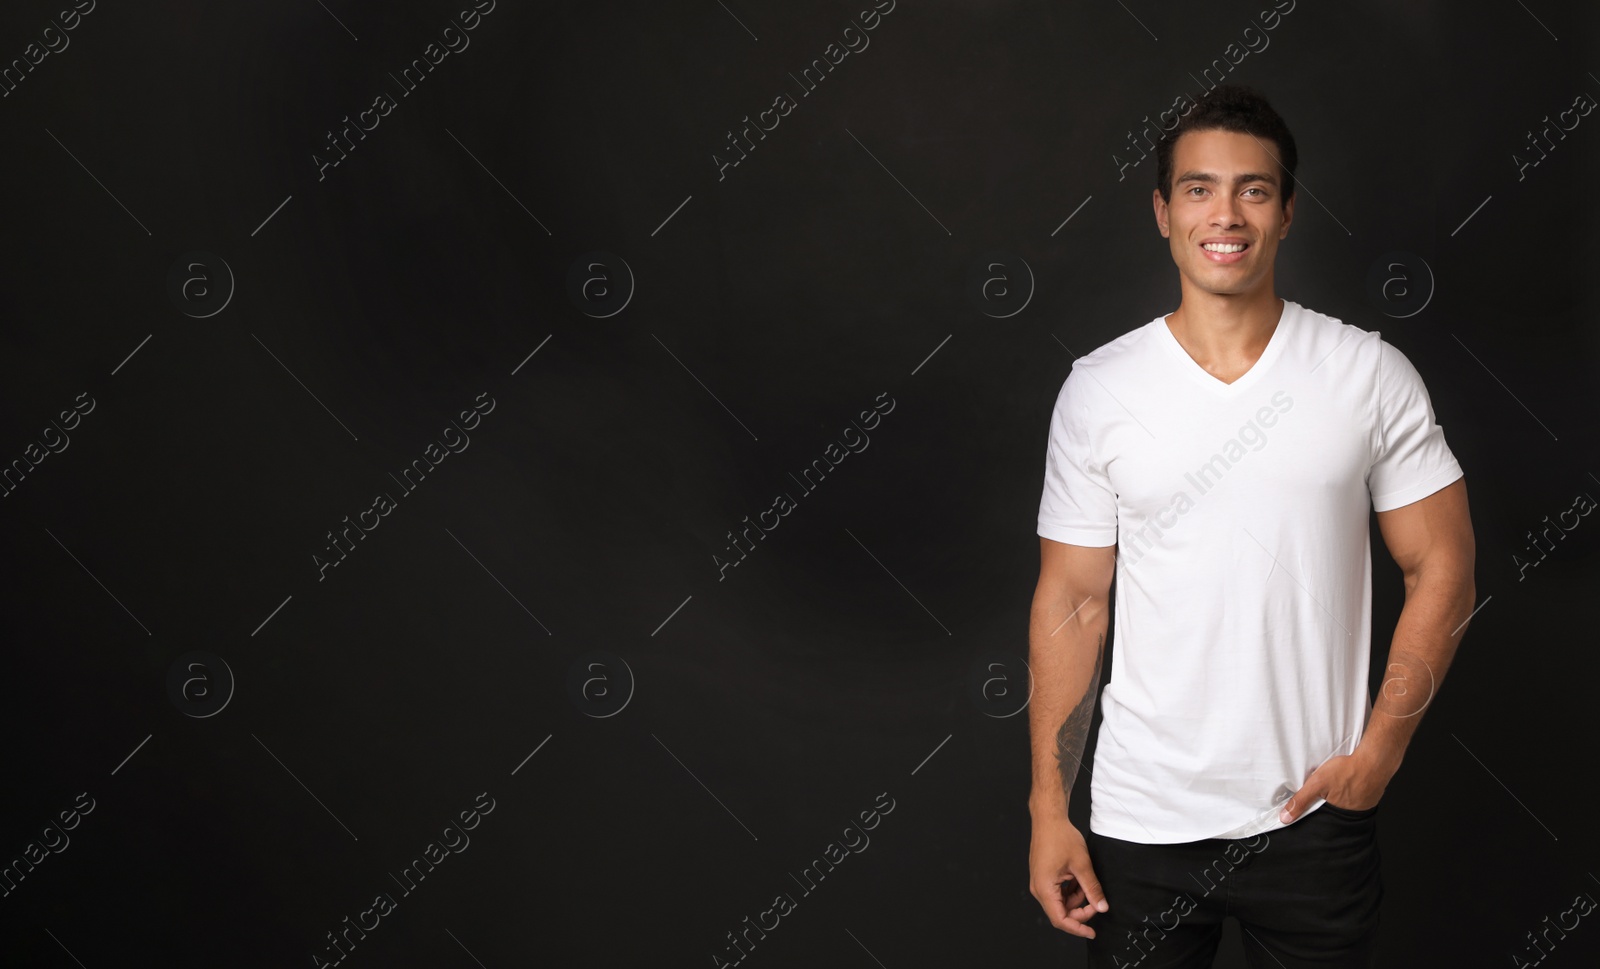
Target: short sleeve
x,y
1412,460
1078,506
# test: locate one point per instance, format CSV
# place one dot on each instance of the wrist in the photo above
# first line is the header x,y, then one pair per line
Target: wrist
x,y
1381,761
1045,805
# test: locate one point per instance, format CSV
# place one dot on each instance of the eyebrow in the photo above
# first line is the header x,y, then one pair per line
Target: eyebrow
x,y
1209,178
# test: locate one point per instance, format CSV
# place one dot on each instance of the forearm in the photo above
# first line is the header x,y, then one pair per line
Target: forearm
x,y
1431,625
1065,649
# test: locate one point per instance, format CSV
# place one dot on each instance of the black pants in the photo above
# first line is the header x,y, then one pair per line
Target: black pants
x,y
1304,895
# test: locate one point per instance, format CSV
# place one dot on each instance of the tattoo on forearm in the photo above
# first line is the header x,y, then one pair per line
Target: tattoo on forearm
x,y
1074,732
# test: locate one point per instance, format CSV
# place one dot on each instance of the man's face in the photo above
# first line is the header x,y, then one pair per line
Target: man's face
x,y
1227,187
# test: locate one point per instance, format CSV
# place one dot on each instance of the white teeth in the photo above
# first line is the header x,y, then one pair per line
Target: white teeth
x,y
1222,247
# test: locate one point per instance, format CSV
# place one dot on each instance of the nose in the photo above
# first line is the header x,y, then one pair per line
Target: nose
x,y
1226,212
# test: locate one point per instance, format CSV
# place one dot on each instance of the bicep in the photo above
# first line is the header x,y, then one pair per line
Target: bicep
x,y
1432,532
1075,576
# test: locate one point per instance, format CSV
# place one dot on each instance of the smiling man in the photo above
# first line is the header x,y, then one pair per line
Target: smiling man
x,y
1221,463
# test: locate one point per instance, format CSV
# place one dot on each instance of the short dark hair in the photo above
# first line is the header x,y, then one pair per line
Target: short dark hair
x,y
1230,107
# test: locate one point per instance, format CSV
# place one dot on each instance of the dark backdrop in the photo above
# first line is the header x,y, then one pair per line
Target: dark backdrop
x,y
225,338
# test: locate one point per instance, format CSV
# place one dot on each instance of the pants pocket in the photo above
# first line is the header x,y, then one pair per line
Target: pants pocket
x,y
1350,813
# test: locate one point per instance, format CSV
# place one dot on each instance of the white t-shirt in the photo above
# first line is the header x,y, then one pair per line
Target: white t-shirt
x,y
1243,599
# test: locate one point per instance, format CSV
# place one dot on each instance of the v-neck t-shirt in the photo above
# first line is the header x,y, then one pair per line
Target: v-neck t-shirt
x,y
1243,591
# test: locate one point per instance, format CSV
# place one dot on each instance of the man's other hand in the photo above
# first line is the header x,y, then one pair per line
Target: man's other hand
x,y
1061,878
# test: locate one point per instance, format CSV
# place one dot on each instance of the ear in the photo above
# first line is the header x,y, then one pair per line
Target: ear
x,y
1161,212
1288,216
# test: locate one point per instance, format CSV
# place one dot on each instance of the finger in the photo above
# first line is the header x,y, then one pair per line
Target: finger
x,y
1074,925
1054,908
1080,916
1296,805
1095,895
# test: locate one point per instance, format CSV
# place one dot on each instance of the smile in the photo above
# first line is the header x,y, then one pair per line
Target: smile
x,y
1224,252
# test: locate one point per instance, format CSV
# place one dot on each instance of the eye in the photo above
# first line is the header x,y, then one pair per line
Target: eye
x,y
1195,188
1254,189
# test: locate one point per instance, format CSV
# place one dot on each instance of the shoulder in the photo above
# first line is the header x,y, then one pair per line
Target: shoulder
x,y
1117,361
1327,342
1378,372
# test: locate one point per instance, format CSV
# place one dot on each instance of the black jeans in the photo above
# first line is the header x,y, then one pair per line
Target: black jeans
x,y
1304,895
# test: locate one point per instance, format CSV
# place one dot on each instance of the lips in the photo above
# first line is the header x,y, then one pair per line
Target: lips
x,y
1238,246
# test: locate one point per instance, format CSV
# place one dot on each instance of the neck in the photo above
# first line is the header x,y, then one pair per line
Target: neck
x,y
1225,328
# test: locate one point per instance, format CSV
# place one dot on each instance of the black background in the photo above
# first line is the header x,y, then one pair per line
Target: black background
x,y
768,308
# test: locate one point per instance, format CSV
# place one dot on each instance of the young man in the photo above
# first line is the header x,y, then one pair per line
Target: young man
x,y
1221,461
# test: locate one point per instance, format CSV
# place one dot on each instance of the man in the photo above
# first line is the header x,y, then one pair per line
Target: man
x,y
1221,461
